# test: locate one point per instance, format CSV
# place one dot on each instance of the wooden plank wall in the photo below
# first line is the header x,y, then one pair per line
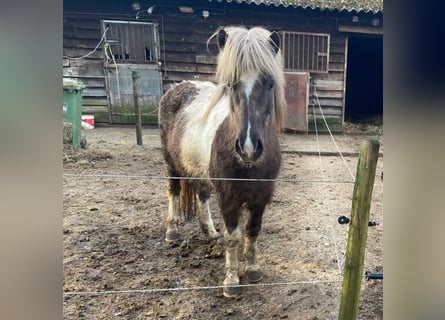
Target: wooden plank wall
x,y
328,90
81,34
185,54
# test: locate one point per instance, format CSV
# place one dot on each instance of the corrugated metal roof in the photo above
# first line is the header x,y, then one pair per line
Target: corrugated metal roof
x,y
340,5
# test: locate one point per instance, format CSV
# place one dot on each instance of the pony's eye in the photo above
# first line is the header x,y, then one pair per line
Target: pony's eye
x,y
233,86
270,84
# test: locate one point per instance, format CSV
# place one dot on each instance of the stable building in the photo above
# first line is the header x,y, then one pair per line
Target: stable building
x,y
127,50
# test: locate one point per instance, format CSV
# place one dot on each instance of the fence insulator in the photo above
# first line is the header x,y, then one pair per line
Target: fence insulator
x,y
373,275
346,220
343,220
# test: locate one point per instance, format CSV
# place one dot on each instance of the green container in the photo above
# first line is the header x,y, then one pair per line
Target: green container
x,y
72,106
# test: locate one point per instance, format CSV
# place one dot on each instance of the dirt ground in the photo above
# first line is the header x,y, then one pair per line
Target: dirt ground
x,y
118,266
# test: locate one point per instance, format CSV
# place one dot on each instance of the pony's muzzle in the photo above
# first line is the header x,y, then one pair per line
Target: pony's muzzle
x,y
249,152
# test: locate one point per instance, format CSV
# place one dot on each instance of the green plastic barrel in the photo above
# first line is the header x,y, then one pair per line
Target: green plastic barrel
x,y
72,106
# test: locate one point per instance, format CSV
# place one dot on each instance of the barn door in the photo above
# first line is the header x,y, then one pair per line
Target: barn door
x,y
297,95
303,53
129,47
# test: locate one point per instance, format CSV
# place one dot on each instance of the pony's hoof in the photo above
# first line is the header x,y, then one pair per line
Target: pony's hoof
x,y
172,236
231,292
215,236
254,276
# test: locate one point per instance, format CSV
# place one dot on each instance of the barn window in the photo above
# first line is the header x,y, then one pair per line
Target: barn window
x,y
130,41
306,51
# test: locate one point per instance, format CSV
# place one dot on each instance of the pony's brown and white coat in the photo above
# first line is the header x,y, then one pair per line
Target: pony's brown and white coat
x,y
228,130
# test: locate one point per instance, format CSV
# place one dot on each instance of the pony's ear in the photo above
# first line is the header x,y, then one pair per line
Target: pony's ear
x,y
274,40
222,38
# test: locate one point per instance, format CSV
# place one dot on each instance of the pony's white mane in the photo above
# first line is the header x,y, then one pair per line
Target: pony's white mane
x,y
250,51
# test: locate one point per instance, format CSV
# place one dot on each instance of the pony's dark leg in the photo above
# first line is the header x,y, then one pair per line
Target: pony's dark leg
x,y
204,214
173,190
232,239
253,227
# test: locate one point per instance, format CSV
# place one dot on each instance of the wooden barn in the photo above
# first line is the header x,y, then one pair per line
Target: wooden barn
x,y
135,49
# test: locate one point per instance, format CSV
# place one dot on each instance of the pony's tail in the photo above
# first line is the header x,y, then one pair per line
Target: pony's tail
x,y
187,199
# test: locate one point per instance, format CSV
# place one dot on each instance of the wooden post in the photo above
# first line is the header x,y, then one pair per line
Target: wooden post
x,y
358,229
138,119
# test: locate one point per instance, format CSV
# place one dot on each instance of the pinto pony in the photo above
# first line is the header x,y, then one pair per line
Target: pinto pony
x,y
223,136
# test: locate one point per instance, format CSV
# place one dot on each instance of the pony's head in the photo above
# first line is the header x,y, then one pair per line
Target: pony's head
x,y
250,70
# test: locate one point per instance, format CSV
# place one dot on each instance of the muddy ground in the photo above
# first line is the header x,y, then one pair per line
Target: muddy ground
x,y
116,259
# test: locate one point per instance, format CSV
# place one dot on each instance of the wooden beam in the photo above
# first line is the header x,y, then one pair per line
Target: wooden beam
x,y
360,29
94,102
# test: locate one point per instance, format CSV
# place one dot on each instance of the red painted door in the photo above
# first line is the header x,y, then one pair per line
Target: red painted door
x,y
297,94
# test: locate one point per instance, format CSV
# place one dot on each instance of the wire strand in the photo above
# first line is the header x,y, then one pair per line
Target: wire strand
x,y
136,177
330,133
91,52
326,196
156,290
108,48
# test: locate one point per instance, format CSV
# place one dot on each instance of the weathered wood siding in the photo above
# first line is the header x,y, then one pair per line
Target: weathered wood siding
x,y
81,34
186,55
328,90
